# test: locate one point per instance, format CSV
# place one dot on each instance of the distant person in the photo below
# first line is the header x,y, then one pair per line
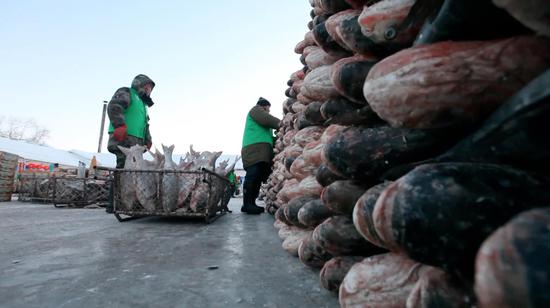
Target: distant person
x,y
232,177
257,152
129,126
129,118
239,184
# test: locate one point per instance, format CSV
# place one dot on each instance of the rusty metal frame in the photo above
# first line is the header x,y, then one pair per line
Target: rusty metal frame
x,y
51,193
216,204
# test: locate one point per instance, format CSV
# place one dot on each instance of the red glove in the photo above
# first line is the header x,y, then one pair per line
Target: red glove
x,y
120,133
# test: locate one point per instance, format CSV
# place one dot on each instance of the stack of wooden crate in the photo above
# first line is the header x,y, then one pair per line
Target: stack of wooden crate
x,y
8,164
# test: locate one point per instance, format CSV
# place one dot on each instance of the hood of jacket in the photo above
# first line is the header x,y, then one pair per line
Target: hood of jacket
x,y
138,83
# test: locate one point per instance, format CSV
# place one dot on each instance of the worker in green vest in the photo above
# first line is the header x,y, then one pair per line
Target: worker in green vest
x,y
257,152
232,177
129,118
129,126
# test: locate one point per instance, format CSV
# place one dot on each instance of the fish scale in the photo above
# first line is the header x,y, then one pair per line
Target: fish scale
x,y
146,185
199,197
187,182
128,179
170,187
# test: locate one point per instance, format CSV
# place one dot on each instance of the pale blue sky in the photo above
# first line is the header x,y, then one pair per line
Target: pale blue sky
x,y
210,60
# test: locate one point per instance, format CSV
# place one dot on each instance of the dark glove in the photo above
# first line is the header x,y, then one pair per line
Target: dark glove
x,y
120,133
148,146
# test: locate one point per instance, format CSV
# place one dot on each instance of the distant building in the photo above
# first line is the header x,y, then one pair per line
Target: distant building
x,y
44,158
39,157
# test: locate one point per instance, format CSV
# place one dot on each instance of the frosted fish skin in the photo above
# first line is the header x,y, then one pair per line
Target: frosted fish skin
x,y
453,83
312,254
348,76
140,186
313,213
514,134
532,14
325,177
362,214
363,154
170,185
337,235
392,280
333,272
146,183
380,19
200,197
128,180
463,20
340,197
412,215
327,42
512,264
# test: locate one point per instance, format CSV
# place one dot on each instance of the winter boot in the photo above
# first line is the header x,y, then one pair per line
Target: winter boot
x,y
252,209
249,205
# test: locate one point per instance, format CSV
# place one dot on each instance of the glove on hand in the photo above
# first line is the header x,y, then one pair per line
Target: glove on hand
x,y
148,146
120,133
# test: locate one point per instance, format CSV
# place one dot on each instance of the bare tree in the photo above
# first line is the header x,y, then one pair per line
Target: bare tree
x,y
27,130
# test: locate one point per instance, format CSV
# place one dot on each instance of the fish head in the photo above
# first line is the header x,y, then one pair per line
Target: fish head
x,y
212,157
193,153
187,157
137,151
232,166
380,21
124,150
223,164
134,155
158,157
130,161
168,151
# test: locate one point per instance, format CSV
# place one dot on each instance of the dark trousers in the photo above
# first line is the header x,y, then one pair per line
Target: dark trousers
x,y
255,175
120,162
112,146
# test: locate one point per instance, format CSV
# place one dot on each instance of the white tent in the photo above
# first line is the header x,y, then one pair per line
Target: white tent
x,y
40,153
103,159
51,155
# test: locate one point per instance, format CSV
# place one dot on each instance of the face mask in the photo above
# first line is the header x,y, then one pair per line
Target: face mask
x,y
145,98
142,94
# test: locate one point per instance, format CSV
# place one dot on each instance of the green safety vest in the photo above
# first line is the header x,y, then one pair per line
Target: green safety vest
x,y
135,116
255,133
232,177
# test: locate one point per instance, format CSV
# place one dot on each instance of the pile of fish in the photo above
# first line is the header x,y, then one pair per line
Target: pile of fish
x,y
412,162
161,185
